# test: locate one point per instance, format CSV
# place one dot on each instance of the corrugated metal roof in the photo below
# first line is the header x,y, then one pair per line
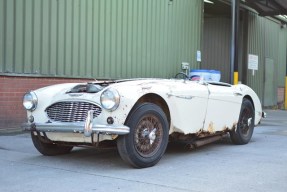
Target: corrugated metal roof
x,y
268,7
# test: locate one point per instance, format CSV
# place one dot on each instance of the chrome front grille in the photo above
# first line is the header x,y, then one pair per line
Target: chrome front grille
x,y
72,111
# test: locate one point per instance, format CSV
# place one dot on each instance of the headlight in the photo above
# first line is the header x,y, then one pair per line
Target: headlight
x,y
30,101
110,99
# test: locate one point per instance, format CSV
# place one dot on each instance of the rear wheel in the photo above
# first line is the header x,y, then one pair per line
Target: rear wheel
x,y
148,138
245,126
47,148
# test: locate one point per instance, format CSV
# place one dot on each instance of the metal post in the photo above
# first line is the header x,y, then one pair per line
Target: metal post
x,y
286,91
286,85
245,47
234,41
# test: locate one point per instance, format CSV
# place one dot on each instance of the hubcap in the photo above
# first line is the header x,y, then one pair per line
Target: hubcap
x,y
152,136
249,121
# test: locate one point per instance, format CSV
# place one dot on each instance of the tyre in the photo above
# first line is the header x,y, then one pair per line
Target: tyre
x,y
47,148
148,138
243,131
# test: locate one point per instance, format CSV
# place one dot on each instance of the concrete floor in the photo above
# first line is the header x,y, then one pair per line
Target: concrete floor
x,y
260,165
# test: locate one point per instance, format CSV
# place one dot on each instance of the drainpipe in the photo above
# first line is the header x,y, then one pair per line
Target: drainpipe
x,y
234,42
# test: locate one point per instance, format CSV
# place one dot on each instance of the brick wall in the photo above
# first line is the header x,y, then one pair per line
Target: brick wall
x,y
12,89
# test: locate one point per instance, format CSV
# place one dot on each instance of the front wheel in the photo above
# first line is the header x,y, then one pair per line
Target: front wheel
x,y
148,138
245,126
47,148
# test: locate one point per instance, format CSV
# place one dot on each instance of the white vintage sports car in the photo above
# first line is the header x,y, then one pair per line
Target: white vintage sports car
x,y
141,115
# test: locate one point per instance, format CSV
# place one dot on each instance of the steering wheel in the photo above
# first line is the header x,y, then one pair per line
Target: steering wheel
x,y
181,74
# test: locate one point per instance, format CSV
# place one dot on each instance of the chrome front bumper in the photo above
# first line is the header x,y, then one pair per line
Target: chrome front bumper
x,y
86,128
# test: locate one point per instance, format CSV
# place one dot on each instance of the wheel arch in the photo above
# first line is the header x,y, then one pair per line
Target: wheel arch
x,y
250,99
255,101
155,99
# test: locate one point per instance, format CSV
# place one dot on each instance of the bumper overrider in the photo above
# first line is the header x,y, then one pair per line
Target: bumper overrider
x,y
87,127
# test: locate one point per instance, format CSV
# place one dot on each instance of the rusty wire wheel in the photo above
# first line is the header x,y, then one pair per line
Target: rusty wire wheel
x,y
148,135
245,126
245,121
148,138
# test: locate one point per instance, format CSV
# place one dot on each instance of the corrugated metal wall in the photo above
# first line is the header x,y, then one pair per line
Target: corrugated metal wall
x,y
216,46
256,46
268,41
98,38
271,52
282,57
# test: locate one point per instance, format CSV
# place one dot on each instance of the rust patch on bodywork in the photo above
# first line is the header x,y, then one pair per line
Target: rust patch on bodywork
x,y
211,131
234,126
196,140
201,133
211,127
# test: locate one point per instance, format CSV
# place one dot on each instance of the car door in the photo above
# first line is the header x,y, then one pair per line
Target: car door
x,y
188,101
223,108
